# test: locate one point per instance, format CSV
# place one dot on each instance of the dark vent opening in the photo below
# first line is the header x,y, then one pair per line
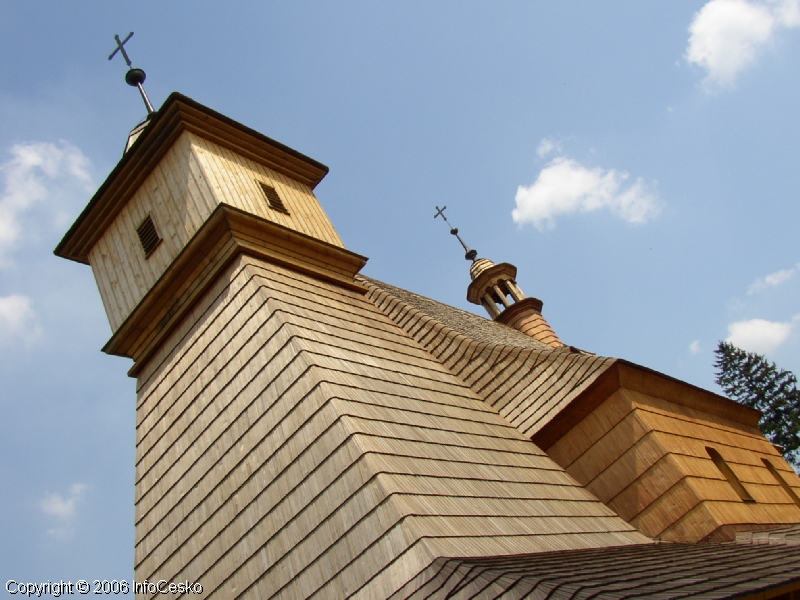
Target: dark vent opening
x,y
728,473
148,236
274,200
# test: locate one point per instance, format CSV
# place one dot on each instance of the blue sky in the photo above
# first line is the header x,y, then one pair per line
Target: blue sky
x,y
636,161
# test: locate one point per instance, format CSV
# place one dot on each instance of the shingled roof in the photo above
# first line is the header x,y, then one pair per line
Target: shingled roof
x,y
660,571
526,381
477,328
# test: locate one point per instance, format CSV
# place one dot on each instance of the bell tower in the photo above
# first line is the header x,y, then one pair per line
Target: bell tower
x,y
195,190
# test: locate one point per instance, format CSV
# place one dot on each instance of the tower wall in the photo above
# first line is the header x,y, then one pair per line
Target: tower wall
x,y
292,440
194,177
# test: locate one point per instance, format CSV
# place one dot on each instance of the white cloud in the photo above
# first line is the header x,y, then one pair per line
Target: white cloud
x,y
759,335
726,36
694,347
787,12
546,146
35,173
17,320
63,509
565,186
771,280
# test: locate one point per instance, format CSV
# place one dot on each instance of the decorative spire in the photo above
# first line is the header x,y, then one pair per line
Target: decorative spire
x,y
134,77
470,254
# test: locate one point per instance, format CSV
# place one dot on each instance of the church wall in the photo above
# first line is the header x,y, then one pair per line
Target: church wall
x,y
647,458
292,440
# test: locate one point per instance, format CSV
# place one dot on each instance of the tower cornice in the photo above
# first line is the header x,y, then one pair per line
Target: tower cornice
x,y
228,233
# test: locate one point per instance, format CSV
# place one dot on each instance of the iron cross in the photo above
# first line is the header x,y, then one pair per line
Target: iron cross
x,y
121,48
134,77
470,253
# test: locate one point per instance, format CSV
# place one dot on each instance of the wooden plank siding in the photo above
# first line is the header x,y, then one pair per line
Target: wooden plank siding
x,y
234,181
178,209
292,441
192,179
646,458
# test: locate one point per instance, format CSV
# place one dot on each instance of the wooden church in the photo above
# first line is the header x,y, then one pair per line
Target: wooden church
x,y
303,431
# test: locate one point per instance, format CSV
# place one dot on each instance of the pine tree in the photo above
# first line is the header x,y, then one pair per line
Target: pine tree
x,y
750,379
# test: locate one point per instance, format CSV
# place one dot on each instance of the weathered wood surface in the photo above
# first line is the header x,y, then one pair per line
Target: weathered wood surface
x,y
646,458
293,442
234,181
227,232
178,115
192,179
525,316
528,386
628,447
708,571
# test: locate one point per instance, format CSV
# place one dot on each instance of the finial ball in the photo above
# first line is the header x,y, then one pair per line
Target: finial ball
x,y
135,77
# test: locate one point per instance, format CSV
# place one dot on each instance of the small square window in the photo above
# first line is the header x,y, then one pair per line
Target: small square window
x,y
148,236
273,198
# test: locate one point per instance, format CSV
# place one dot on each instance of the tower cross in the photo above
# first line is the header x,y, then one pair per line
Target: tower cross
x,y
121,48
134,77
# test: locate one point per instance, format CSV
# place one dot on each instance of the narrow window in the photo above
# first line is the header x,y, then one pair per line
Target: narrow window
x,y
148,236
274,200
783,483
728,473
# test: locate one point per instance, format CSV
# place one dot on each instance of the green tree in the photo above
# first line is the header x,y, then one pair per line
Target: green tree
x,y
750,379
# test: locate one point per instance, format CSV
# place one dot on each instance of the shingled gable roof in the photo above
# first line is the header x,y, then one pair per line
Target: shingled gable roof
x,y
526,381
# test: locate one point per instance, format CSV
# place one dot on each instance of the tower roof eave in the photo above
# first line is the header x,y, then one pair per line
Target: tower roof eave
x,y
178,114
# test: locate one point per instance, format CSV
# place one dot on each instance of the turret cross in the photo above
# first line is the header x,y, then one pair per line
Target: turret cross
x,y
470,254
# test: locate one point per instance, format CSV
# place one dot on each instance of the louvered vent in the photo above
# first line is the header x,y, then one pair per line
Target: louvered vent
x,y
148,236
274,200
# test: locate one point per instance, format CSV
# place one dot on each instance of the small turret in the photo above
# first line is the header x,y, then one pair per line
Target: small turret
x,y
495,288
